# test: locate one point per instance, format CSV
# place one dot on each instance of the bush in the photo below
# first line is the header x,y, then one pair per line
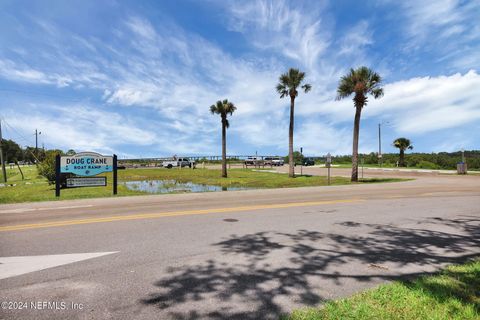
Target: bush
x,y
46,168
297,158
427,165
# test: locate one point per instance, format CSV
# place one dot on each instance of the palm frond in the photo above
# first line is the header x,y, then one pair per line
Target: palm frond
x,y
377,93
346,86
230,108
220,107
213,109
307,87
290,81
282,90
223,108
403,144
361,81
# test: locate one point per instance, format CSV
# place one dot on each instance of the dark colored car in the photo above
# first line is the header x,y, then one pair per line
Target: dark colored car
x,y
308,162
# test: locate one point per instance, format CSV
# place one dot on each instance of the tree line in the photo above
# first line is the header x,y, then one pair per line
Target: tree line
x,y
13,153
441,160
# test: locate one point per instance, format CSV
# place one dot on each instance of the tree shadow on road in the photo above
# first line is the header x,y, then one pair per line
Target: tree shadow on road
x,y
257,274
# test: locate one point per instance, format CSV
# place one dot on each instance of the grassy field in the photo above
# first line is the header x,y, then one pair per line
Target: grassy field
x,y
452,294
36,188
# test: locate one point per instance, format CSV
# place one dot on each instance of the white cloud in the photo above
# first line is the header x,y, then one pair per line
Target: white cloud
x,y
417,105
356,39
141,27
447,28
9,70
80,127
317,138
296,31
431,14
422,105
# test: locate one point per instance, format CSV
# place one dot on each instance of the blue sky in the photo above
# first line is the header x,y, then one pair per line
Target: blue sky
x,y
137,78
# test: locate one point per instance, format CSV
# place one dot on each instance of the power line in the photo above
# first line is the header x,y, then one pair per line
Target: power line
x,y
23,137
18,133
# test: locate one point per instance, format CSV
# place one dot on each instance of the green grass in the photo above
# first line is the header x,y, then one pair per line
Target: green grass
x,y
36,188
452,294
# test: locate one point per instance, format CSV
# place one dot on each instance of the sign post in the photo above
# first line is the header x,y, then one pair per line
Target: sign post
x,y
114,174
328,164
57,175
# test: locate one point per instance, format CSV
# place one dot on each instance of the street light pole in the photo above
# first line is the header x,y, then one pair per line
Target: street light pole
x,y
380,144
380,157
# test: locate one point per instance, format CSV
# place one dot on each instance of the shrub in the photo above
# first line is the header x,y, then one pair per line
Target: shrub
x,y
297,158
427,165
46,168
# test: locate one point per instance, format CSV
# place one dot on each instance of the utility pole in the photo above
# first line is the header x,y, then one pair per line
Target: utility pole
x,y
380,157
4,172
36,141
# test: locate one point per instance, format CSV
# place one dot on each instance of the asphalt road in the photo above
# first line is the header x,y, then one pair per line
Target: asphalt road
x,y
251,254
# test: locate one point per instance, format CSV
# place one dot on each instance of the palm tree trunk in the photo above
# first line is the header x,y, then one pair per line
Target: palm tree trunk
x,y
291,163
402,158
224,148
356,133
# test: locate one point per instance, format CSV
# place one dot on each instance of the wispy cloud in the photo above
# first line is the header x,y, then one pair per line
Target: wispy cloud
x,y
356,39
422,105
296,31
82,127
448,28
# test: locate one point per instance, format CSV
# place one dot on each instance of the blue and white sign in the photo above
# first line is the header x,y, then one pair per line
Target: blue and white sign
x,y
86,164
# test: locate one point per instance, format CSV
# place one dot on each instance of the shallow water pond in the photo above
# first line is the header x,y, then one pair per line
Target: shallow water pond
x,y
173,186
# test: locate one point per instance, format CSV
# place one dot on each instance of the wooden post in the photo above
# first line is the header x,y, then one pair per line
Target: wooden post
x,y
20,169
115,174
57,175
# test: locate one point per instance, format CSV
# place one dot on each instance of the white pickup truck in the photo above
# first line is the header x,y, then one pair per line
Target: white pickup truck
x,y
178,162
274,161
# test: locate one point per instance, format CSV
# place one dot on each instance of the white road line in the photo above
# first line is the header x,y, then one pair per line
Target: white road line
x,y
15,266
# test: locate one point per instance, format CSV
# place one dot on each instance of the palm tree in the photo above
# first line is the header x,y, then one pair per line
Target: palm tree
x,y
361,82
223,108
287,86
402,144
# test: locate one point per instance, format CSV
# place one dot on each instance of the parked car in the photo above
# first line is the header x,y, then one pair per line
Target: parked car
x,y
178,162
274,161
308,162
252,161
